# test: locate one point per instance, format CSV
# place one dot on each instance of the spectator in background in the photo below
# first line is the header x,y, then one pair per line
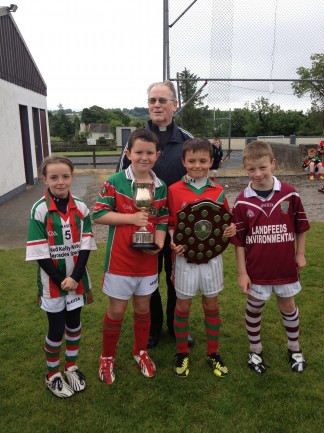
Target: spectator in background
x,y
313,164
321,156
217,157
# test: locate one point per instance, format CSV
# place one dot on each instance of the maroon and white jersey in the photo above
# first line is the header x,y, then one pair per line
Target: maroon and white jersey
x,y
267,229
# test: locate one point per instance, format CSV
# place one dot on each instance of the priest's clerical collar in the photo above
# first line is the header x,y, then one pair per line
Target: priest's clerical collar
x,y
156,127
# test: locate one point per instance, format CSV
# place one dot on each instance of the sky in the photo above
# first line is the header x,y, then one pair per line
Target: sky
x,y
98,52
107,52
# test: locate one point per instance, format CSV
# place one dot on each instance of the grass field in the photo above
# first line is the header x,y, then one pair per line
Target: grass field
x,y
243,402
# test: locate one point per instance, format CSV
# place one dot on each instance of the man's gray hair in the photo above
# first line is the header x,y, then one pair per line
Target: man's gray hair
x,y
165,83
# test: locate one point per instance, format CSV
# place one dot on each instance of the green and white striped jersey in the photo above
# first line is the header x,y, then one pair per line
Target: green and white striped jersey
x,y
60,237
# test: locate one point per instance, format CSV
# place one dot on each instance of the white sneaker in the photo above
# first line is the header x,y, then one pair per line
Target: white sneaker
x,y
145,364
57,385
75,378
255,362
297,361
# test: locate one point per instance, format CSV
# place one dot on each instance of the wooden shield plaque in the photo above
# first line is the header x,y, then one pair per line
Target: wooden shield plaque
x,y
200,230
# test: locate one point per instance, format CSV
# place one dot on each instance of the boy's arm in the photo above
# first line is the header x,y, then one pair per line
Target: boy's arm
x,y
159,238
244,281
173,208
111,218
300,250
104,209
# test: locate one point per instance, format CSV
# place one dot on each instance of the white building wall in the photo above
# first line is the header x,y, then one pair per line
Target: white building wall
x,y
12,169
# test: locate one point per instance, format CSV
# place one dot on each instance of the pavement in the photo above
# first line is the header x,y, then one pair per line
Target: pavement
x,y
14,214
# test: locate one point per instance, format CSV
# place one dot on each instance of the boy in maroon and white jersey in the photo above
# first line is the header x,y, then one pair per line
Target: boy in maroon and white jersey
x,y
270,250
130,273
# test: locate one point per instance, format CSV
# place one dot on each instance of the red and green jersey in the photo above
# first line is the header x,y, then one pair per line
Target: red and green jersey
x,y
116,195
181,193
60,237
266,228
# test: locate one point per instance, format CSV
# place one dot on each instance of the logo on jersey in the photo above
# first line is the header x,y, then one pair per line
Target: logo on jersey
x,y
104,189
153,211
250,213
284,207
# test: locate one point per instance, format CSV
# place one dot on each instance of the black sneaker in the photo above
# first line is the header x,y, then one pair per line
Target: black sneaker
x,y
181,366
297,360
255,362
152,341
217,365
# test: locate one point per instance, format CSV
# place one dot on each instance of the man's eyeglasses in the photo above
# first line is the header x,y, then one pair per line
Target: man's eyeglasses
x,y
162,101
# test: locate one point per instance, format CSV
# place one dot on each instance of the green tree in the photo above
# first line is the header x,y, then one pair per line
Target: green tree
x,y
94,114
240,118
137,112
113,116
315,87
312,123
138,123
117,115
195,116
60,124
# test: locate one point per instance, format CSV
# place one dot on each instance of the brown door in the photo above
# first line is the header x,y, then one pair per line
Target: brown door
x,y
44,132
37,137
25,136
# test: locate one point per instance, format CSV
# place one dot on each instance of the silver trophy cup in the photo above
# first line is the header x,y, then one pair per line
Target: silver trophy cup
x,y
143,195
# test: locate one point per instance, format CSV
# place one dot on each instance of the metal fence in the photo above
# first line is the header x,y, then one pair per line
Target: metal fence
x,y
244,49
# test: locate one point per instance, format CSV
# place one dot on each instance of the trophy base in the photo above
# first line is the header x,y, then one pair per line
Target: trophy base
x,y
144,246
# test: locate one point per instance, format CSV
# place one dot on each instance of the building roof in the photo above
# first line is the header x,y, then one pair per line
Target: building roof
x,y
17,65
98,127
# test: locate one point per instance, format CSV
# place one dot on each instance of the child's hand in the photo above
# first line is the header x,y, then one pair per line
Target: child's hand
x,y
69,284
151,252
244,283
300,261
157,250
230,231
178,249
140,218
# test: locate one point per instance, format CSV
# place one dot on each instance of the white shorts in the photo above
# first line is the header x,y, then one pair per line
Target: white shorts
x,y
55,305
121,287
190,277
282,290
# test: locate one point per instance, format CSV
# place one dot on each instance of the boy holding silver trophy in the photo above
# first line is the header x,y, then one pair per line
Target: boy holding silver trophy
x,y
133,204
